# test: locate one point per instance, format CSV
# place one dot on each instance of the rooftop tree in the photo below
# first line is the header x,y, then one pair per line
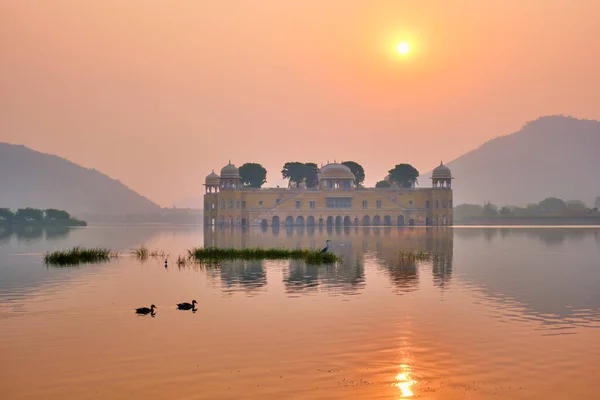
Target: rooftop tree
x,y
297,172
253,175
357,170
294,171
405,175
311,171
382,184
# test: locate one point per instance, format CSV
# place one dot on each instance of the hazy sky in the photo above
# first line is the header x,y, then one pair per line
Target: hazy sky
x,y
157,93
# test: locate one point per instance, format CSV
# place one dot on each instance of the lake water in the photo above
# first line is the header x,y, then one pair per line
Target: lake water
x,y
502,313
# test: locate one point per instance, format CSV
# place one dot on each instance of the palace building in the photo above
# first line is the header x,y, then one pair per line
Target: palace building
x,y
335,201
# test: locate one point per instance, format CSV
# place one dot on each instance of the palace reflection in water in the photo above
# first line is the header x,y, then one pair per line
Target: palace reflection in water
x,y
354,244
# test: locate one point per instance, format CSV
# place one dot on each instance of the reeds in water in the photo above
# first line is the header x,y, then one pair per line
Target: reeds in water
x,y
215,254
143,253
78,255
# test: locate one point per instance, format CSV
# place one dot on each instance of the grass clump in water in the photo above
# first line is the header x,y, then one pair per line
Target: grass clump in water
x,y
143,253
215,254
78,255
415,255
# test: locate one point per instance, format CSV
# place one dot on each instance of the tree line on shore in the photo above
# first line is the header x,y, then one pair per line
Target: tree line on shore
x,y
37,216
549,207
254,175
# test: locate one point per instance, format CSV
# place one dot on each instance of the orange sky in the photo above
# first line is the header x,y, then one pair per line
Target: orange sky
x,y
157,93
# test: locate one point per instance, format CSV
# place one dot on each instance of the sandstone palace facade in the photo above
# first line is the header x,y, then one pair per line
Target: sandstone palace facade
x,y
336,201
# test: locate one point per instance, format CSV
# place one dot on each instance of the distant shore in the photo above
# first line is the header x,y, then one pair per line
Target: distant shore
x,y
43,224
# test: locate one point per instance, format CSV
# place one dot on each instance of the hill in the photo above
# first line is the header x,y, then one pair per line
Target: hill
x,y
32,179
553,156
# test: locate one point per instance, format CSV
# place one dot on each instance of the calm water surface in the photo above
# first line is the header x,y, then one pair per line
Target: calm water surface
x,y
502,313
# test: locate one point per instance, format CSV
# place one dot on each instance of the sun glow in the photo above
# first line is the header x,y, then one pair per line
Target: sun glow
x,y
405,382
402,48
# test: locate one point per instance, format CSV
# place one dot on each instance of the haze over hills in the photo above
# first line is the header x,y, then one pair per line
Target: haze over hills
x,y
32,179
553,156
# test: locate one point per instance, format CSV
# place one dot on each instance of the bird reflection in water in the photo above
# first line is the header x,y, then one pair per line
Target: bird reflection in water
x,y
404,382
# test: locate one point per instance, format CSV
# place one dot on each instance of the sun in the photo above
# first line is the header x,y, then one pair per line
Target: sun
x,y
402,48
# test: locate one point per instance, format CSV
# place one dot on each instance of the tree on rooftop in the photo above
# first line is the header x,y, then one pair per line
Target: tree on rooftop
x,y
405,175
253,175
294,171
382,184
311,171
297,172
357,170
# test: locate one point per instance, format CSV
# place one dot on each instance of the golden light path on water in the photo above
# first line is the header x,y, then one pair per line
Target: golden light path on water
x,y
405,381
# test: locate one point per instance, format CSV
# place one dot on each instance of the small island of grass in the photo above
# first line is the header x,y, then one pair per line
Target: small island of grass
x,y
78,255
215,254
36,217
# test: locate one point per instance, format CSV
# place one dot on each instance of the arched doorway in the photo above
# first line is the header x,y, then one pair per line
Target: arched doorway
x,y
411,222
289,220
445,222
329,221
338,221
264,223
366,221
376,220
387,220
356,221
347,221
400,220
300,220
310,221
275,221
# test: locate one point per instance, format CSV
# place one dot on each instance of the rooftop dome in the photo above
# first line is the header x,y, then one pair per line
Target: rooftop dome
x,y
441,172
230,172
335,171
212,179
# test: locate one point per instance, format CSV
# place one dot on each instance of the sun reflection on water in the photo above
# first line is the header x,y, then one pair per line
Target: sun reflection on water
x,y
405,381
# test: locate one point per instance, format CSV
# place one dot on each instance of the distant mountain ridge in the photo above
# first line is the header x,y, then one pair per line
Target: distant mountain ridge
x,y
32,179
553,156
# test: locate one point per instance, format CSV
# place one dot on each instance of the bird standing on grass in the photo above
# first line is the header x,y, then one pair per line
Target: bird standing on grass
x,y
326,246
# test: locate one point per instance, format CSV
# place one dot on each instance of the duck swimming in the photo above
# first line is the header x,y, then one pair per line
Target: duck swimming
x,y
145,310
187,306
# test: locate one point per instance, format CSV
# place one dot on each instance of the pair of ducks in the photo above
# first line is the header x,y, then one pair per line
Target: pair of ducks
x,y
180,306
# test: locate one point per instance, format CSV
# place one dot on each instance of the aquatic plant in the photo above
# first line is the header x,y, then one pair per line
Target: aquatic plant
x,y
415,255
215,254
143,253
182,261
78,255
